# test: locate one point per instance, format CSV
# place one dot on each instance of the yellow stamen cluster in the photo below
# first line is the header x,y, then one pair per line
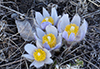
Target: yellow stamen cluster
x,y
72,28
39,55
48,19
50,39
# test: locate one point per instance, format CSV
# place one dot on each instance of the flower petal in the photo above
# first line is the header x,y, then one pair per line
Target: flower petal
x,y
57,46
48,61
65,35
45,45
84,26
27,56
38,43
71,37
59,27
40,33
54,15
37,64
36,24
30,48
45,13
51,29
44,24
59,38
35,36
78,37
59,41
64,21
76,20
39,17
48,54
82,31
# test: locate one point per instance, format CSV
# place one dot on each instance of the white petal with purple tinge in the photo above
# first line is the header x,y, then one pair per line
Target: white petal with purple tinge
x,y
51,29
54,15
45,45
48,61
64,21
71,37
59,27
27,56
45,13
44,24
40,33
85,26
65,35
30,48
39,43
83,29
36,24
37,64
35,36
78,37
39,17
59,42
59,38
57,46
48,54
76,20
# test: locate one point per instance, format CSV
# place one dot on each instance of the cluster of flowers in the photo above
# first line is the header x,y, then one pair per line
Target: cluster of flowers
x,y
50,31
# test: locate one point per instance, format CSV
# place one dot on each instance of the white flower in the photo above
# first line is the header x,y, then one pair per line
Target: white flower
x,y
38,55
45,19
51,39
72,31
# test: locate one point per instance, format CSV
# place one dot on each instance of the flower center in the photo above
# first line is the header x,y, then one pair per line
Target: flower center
x,y
50,39
39,55
72,28
48,19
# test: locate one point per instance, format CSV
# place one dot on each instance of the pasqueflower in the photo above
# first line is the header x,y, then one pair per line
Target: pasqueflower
x,y
43,20
72,31
50,39
37,55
